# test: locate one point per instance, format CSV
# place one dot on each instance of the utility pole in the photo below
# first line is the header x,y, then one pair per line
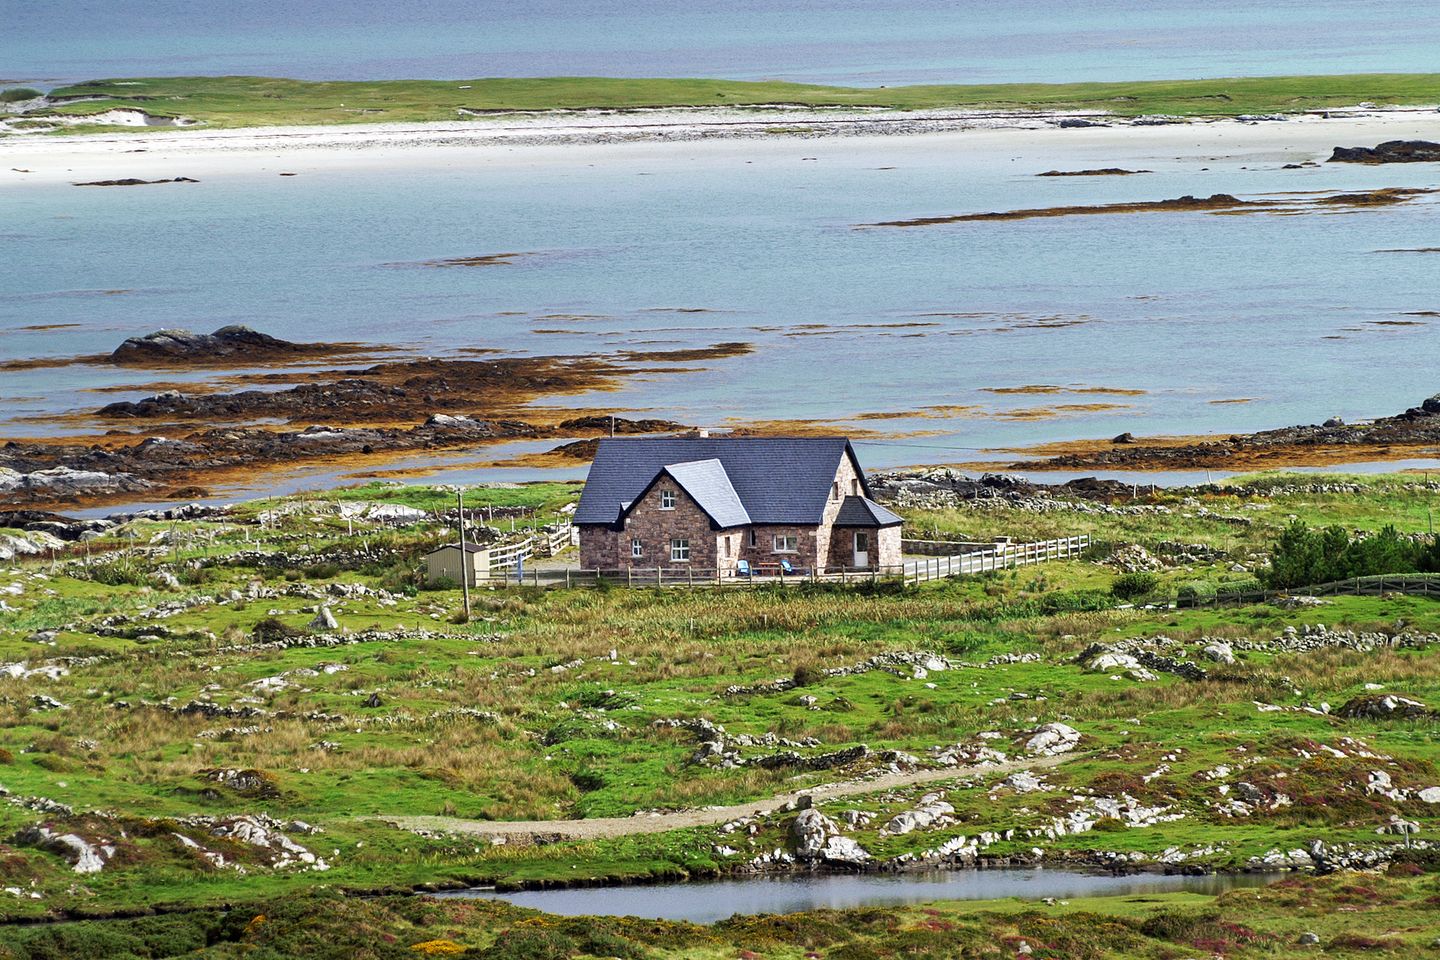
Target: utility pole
x,y
464,554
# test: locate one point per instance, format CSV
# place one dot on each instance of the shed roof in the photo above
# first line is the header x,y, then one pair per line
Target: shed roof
x,y
780,480
469,547
863,512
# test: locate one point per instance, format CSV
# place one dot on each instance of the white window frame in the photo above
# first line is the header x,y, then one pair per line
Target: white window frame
x,y
680,550
667,499
780,539
637,549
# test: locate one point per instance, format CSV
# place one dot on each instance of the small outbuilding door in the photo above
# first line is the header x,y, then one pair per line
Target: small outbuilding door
x,y
862,548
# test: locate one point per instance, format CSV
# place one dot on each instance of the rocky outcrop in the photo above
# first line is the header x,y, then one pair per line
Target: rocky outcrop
x,y
227,345
817,839
1391,151
82,855
64,482
1051,739
1388,707
133,182
1419,425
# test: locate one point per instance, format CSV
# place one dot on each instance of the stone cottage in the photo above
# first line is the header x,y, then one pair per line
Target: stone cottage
x,y
707,503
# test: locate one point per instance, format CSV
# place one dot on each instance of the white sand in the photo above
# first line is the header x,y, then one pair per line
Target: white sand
x,y
596,136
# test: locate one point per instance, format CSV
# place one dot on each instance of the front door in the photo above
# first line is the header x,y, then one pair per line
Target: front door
x,y
862,549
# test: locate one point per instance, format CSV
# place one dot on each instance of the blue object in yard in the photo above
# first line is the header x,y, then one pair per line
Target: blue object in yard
x,y
742,568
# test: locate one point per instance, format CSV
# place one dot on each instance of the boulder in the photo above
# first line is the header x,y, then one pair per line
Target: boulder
x,y
810,831
1218,652
324,620
1429,795
1052,739
843,850
1391,151
925,815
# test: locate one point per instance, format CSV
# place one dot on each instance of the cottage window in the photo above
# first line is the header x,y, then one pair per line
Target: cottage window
x,y
667,499
637,549
855,487
835,490
754,539
787,543
727,546
680,551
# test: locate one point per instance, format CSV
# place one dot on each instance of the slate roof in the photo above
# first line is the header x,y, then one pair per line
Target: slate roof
x,y
781,480
709,486
862,512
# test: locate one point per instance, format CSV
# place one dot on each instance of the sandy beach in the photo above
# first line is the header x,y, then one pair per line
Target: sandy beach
x,y
668,134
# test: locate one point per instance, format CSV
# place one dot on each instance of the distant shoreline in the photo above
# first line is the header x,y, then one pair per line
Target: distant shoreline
x,y
243,102
159,155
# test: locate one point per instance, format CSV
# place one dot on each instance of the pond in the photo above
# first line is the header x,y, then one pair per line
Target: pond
x,y
709,901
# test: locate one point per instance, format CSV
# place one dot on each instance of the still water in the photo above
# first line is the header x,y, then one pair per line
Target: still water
x,y
707,902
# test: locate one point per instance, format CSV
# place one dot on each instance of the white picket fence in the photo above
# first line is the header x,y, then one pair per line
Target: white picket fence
x,y
501,561
1001,556
998,556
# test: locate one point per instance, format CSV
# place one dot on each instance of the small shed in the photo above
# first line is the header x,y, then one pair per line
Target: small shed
x,y
446,563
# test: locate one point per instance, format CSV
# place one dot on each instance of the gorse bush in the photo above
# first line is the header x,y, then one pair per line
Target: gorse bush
x,y
16,94
1303,555
1130,586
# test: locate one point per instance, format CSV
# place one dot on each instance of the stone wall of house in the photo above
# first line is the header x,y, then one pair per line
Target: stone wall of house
x,y
888,539
846,484
760,548
604,548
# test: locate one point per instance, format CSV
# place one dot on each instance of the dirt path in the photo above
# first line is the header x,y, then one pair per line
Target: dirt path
x,y
606,827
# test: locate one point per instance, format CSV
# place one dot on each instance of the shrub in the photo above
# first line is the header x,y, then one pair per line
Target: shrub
x,y
807,674
530,943
16,94
1130,586
1303,556
121,571
1194,592
270,630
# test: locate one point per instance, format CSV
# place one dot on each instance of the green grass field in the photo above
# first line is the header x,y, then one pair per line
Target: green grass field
x,y
263,101
175,707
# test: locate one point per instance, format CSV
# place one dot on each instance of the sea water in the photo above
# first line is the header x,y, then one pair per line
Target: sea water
x,y
1185,323
864,42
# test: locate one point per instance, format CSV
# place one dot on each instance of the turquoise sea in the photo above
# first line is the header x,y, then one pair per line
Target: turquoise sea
x,y
659,246
834,41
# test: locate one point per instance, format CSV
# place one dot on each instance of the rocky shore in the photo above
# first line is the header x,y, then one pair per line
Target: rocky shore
x,y
1406,434
166,444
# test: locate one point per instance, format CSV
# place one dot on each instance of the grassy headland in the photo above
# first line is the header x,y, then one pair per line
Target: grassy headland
x,y
221,102
178,709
